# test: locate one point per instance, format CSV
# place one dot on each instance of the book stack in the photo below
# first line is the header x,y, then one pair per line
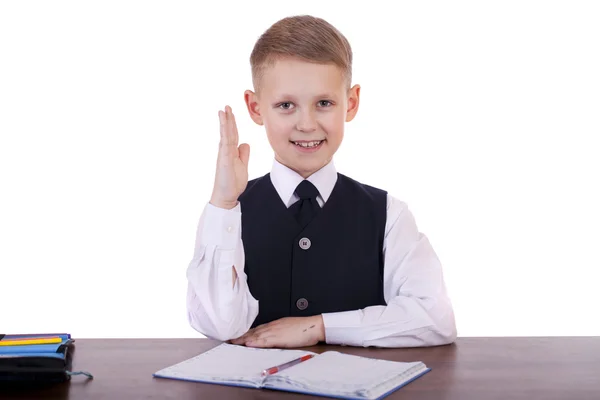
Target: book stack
x,y
41,358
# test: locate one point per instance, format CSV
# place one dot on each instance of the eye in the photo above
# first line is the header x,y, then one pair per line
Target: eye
x,y
286,105
325,103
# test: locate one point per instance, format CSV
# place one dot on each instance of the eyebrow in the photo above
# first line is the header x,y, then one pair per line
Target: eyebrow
x,y
292,97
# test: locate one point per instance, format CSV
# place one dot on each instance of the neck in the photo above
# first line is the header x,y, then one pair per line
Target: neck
x,y
303,173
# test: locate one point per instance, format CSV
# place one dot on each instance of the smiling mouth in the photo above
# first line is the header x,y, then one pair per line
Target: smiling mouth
x,y
308,145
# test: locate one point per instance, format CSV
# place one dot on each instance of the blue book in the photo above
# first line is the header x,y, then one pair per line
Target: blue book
x,y
36,363
331,374
39,349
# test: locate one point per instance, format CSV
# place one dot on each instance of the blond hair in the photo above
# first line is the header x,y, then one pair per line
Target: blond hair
x,y
305,37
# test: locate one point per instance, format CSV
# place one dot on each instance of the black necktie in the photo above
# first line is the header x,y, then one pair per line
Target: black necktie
x,y
307,207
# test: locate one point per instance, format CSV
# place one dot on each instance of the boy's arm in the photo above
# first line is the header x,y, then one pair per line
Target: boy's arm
x,y
219,303
418,311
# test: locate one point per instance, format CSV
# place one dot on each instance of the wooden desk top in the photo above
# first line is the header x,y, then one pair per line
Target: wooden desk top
x,y
472,368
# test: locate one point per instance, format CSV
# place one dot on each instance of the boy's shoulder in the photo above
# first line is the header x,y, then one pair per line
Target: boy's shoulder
x,y
369,189
256,182
392,202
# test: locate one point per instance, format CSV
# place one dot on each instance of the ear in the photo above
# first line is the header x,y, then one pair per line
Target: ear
x,y
251,100
353,100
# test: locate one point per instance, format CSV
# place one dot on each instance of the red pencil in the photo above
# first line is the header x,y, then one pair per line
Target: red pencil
x,y
273,370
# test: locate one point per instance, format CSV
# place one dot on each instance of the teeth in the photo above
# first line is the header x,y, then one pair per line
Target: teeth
x,y
308,144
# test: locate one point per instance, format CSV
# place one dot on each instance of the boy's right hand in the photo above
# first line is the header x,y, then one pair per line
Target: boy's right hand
x,y
231,177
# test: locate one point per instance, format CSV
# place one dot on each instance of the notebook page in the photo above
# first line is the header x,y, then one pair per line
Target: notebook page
x,y
229,363
335,373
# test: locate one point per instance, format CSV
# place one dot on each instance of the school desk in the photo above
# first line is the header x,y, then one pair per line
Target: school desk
x,y
552,368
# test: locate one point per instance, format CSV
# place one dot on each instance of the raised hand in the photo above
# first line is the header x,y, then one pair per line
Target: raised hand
x,y
231,176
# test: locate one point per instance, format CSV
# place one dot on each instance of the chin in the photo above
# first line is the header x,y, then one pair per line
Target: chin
x,y
305,164
310,166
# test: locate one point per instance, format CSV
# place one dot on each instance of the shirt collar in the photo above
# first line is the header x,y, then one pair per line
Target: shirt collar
x,y
285,181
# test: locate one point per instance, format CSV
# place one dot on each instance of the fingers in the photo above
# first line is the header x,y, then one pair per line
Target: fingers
x,y
242,339
255,335
223,127
232,125
227,126
265,341
244,151
261,338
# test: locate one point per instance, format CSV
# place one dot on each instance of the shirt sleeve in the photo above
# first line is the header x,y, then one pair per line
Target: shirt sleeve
x,y
216,307
418,311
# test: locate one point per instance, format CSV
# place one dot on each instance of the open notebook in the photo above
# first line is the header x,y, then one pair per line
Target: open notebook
x,y
331,373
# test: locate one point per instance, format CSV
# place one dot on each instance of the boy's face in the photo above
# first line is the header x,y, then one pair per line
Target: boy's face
x,y
303,107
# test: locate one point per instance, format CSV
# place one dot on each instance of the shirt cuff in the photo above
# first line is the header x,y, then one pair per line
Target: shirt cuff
x,y
221,227
338,327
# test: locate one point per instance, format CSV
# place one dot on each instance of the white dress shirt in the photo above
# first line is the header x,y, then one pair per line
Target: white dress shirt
x,y
418,310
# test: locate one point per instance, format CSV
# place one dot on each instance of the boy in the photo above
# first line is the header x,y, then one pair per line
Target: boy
x,y
303,254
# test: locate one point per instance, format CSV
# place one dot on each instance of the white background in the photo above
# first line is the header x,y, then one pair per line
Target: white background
x,y
483,116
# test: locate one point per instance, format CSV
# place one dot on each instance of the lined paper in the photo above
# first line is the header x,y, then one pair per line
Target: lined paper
x,y
329,374
231,363
346,374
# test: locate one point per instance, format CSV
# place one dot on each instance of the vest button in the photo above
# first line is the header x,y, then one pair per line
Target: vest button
x,y
302,303
304,243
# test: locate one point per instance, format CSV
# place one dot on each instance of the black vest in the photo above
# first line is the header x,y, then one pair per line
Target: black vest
x,y
334,264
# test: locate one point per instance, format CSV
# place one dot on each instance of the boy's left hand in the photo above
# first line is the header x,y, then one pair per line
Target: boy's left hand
x,y
285,332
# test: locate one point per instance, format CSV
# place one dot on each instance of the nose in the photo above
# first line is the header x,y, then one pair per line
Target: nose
x,y
306,122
